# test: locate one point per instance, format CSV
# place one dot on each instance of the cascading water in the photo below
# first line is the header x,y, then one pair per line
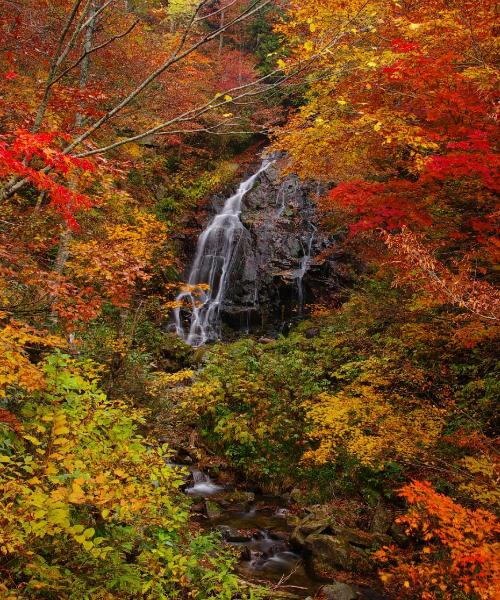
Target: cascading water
x,y
215,255
301,271
203,485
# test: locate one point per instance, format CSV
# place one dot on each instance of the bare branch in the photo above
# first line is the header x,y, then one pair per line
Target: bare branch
x,y
54,65
95,49
174,58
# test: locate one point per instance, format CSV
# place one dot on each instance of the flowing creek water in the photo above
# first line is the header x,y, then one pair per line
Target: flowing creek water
x,y
258,528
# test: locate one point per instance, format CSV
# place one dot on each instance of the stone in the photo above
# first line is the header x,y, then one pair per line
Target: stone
x,y
296,495
362,539
332,547
212,509
330,553
246,554
341,591
233,535
240,497
382,519
281,221
292,520
398,534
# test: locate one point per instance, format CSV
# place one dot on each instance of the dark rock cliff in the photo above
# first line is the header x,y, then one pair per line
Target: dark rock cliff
x,y
284,259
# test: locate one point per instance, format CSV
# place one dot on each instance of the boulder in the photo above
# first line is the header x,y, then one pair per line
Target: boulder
x,y
239,497
307,527
398,534
292,520
212,509
331,553
332,547
312,332
296,495
382,519
360,538
230,534
341,591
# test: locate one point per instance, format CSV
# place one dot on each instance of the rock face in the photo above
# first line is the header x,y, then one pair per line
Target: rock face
x,y
336,548
278,267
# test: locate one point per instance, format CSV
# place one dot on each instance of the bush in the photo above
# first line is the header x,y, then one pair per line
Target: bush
x,y
89,508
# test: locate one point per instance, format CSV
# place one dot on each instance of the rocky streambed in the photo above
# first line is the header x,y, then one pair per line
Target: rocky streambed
x,y
292,556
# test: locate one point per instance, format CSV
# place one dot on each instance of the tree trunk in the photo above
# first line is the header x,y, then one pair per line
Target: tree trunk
x,y
87,47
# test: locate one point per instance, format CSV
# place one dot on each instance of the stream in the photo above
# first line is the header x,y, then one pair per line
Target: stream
x,y
257,526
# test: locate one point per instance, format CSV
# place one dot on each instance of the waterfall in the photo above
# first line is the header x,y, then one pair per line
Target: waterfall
x,y
213,262
203,485
301,271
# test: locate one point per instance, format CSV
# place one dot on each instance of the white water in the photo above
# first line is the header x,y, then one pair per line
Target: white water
x,y
212,266
302,270
203,485
281,197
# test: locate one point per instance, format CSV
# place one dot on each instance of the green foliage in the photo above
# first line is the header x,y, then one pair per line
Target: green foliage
x,y
378,395
89,508
257,416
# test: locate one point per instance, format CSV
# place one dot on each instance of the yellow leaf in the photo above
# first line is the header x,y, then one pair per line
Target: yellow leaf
x,y
60,430
59,441
32,439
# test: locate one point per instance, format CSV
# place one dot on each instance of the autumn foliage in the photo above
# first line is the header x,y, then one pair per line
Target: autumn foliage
x,y
119,119
402,118
460,550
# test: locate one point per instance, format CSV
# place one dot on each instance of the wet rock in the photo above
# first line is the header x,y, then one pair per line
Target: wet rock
x,y
212,509
281,536
233,535
240,497
330,553
341,591
333,547
382,519
281,229
246,554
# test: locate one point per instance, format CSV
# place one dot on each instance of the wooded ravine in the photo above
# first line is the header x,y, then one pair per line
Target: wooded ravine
x,y
249,302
